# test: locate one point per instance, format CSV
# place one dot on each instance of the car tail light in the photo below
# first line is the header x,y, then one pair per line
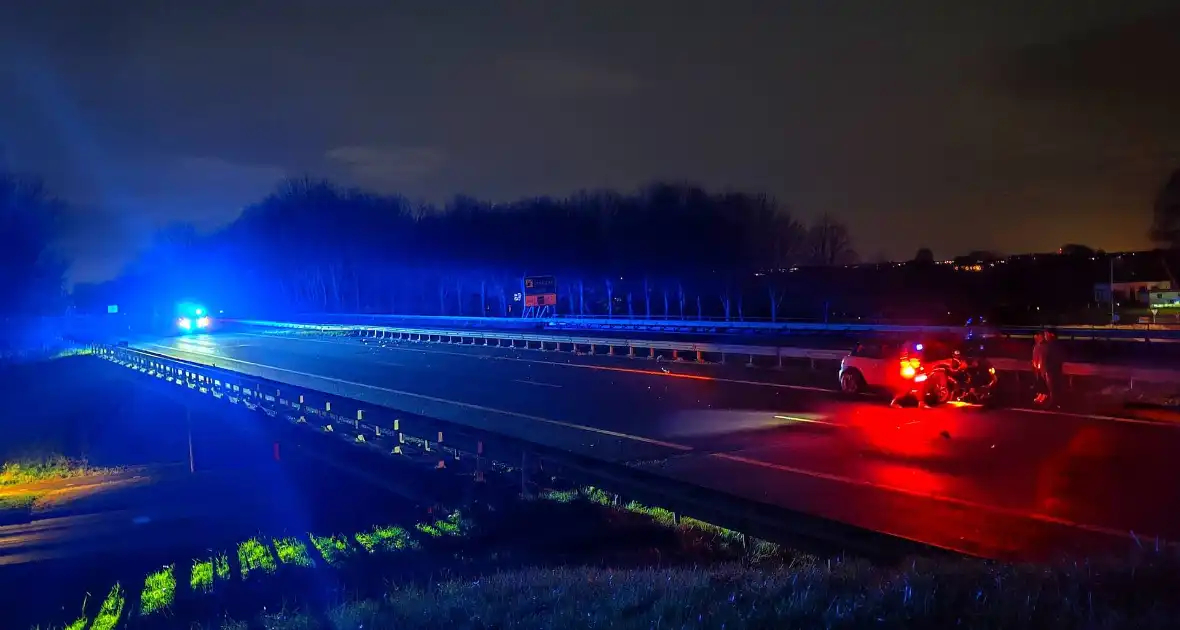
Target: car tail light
x,y
909,367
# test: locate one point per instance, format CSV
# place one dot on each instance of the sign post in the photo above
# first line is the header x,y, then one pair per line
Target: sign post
x,y
540,297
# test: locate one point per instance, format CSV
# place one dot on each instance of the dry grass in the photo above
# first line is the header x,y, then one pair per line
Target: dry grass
x,y
32,470
1136,593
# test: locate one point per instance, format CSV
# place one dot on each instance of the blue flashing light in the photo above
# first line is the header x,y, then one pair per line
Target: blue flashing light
x,y
919,347
184,323
203,322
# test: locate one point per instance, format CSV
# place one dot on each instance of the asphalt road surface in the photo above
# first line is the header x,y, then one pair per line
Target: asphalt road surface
x,y
1001,483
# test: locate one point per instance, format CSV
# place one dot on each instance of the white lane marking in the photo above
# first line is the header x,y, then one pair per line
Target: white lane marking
x,y
1046,412
1051,412
627,436
1035,516
808,420
726,456
538,383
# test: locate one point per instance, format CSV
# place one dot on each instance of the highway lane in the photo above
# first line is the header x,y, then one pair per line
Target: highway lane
x,y
965,478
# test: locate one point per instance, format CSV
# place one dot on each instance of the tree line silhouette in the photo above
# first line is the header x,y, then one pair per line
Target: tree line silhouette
x,y
667,250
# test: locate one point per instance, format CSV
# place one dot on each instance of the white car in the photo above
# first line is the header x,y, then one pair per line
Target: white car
x,y
871,366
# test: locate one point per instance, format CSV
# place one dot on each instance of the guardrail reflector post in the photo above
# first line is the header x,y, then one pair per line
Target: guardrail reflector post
x,y
524,475
328,406
750,363
479,462
631,351
675,355
360,415
700,356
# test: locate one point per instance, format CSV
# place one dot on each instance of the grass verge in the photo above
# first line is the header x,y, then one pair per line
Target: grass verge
x,y
20,502
756,587
960,594
32,470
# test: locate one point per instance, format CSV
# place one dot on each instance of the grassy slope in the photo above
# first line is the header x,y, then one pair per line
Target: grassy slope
x,y
838,595
770,587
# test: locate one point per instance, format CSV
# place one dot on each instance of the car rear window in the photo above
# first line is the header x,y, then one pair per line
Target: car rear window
x,y
872,350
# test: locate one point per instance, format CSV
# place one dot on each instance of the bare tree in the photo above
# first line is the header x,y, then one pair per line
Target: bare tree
x,y
776,299
647,298
1165,227
830,243
30,276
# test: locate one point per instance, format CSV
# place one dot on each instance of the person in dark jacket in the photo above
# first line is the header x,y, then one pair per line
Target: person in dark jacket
x,y
1040,391
1053,362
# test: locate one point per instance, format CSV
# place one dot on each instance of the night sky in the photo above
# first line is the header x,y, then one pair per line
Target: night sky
x,y
1014,125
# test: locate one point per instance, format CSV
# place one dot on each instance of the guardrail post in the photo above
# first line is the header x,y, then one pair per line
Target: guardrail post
x,y
401,439
631,352
441,462
525,462
479,462
700,356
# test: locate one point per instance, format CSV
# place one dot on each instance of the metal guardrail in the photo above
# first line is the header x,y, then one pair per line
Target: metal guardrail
x,y
1142,333
772,355
423,438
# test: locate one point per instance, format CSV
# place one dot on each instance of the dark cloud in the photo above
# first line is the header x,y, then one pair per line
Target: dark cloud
x,y
550,76
1002,124
1125,71
388,169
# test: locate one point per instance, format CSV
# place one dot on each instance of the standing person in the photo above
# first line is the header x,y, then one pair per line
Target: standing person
x,y
1038,368
1053,364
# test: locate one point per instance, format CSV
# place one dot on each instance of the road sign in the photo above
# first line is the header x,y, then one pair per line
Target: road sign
x,y
538,285
545,299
